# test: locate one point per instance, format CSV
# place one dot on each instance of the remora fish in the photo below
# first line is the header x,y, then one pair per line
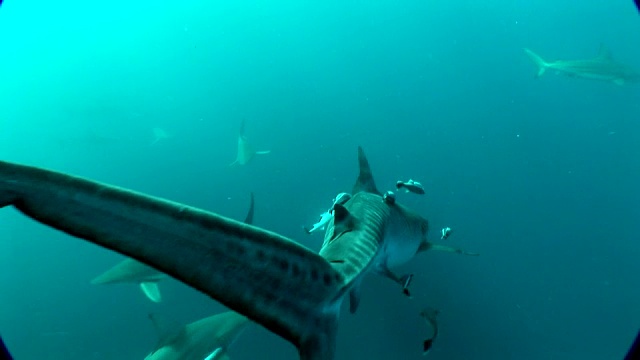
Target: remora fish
x,y
272,280
410,186
326,216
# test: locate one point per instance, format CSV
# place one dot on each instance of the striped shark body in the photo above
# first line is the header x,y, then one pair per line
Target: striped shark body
x,y
272,280
132,271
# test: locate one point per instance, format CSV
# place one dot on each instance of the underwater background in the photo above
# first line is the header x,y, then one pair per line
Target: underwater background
x,y
538,175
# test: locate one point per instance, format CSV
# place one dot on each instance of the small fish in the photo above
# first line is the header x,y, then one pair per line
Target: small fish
x,y
4,353
445,233
341,199
389,197
410,186
430,315
326,216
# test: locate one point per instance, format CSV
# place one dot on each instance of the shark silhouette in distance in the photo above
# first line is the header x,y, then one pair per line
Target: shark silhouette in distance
x,y
208,338
159,134
133,271
245,151
601,67
274,281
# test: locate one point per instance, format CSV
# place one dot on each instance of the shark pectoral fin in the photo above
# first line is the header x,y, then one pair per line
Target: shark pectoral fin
x,y
450,249
354,299
403,281
426,346
217,354
151,290
168,330
263,152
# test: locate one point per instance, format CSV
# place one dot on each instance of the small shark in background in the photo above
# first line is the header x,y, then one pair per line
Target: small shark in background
x,y
245,151
289,289
159,134
601,67
133,271
205,339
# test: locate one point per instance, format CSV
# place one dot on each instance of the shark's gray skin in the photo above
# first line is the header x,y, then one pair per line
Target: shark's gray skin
x,y
601,67
245,151
285,287
133,271
208,338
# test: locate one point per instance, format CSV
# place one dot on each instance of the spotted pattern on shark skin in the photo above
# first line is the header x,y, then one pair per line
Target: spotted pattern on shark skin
x,y
191,245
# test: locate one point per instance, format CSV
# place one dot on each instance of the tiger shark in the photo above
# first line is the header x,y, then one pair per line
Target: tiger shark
x,y
601,67
208,338
274,281
132,271
245,151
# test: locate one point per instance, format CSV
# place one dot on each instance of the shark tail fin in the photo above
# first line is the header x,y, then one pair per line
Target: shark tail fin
x,y
542,65
365,180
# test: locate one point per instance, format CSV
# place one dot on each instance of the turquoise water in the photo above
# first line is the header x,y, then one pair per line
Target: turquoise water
x,y
539,176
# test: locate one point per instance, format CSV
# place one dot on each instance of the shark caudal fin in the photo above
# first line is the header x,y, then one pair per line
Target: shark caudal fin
x,y
365,180
540,63
274,281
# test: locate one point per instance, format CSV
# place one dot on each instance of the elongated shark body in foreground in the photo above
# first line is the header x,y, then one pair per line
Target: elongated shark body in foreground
x,y
133,271
246,152
208,338
602,67
272,280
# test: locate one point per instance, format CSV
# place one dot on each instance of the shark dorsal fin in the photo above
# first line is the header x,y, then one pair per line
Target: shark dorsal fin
x,y
168,330
365,180
249,218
